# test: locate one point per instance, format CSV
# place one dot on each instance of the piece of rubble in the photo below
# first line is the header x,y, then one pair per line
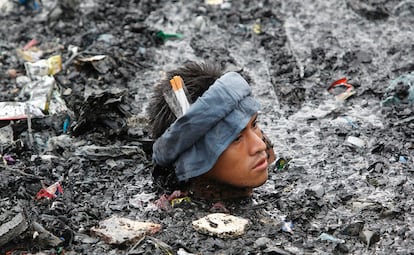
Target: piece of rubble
x,y
369,237
355,141
13,228
118,230
43,237
221,225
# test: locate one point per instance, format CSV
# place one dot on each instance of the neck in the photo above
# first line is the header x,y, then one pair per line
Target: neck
x,y
204,188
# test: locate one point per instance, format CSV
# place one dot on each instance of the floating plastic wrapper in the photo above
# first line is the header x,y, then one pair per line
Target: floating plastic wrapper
x,y
178,201
43,99
224,4
44,67
287,226
342,82
18,110
8,160
403,159
257,28
400,90
30,52
328,237
66,124
50,192
165,36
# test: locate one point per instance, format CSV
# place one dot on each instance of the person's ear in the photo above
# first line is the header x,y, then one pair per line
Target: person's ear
x,y
271,157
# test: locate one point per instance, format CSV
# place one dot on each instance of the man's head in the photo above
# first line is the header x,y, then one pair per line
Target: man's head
x,y
197,78
218,137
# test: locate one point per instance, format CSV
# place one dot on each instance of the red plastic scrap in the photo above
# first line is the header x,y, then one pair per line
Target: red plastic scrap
x,y
50,192
164,202
342,82
30,44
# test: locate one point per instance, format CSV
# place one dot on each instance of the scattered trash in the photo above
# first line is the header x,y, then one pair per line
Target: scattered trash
x,y
165,36
101,63
17,110
119,230
213,2
342,82
66,124
43,67
355,141
400,90
287,226
179,201
224,4
403,159
294,49
257,28
328,237
30,52
9,160
165,201
41,89
50,192
221,225
352,123
281,164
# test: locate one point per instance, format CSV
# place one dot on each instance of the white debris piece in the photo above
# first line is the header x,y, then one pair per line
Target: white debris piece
x,y
221,225
355,141
118,230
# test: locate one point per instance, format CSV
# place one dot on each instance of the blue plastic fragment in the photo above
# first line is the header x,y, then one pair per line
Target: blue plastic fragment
x,y
66,124
287,226
403,159
328,237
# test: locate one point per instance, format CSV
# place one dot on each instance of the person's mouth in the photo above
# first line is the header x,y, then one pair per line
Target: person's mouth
x,y
261,165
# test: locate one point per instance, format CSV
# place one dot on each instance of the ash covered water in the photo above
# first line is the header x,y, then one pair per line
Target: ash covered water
x,y
348,182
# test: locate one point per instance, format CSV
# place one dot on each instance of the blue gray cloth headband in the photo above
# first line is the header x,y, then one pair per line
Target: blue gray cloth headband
x,y
194,141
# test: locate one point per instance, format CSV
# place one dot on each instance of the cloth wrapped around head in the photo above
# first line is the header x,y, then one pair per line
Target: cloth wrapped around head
x,y
194,142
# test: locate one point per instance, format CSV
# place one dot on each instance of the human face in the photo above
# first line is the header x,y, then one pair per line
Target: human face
x,y
244,162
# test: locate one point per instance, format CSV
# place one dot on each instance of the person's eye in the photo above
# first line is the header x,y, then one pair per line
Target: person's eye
x,y
237,139
255,124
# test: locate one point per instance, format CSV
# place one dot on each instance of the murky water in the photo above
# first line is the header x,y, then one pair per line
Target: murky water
x,y
344,157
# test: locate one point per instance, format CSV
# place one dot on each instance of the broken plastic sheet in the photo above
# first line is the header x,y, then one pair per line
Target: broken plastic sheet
x,y
43,99
18,110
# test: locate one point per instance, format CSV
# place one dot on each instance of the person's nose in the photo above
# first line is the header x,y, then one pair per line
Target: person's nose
x,y
256,143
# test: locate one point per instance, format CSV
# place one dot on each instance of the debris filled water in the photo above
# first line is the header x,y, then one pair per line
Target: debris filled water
x,y
345,187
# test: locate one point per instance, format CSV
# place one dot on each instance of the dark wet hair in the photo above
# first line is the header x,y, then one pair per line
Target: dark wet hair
x,y
198,77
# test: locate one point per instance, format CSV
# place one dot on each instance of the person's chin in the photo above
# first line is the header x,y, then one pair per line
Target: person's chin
x,y
260,181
